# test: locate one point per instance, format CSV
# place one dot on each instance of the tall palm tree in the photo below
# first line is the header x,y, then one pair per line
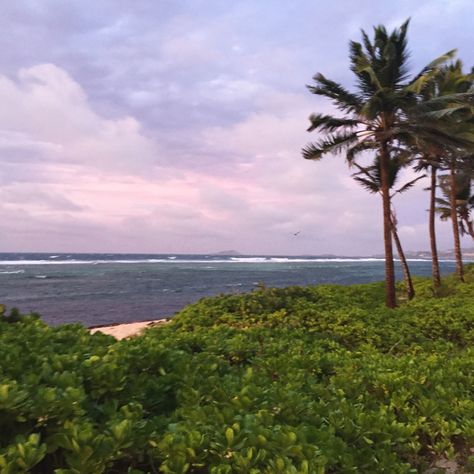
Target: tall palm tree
x,y
370,178
430,162
376,115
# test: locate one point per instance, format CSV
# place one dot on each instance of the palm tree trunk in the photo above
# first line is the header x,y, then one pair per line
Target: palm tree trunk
x,y
403,262
434,249
390,297
454,221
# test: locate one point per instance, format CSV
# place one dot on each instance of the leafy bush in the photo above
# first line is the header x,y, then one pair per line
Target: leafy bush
x,y
296,380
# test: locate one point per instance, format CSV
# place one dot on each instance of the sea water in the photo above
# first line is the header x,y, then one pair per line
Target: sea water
x,y
99,289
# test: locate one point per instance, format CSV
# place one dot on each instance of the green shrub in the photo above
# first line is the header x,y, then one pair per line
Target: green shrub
x,y
296,380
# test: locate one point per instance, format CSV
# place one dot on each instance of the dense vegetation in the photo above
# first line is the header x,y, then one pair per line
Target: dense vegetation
x,y
299,380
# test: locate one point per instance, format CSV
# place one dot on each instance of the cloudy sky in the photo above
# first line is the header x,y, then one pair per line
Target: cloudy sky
x,y
176,125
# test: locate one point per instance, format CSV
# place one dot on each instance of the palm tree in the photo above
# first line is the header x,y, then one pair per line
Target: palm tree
x,y
430,161
454,215
370,179
376,115
464,202
453,88
403,261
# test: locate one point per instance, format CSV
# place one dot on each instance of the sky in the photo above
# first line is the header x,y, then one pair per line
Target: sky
x,y
176,126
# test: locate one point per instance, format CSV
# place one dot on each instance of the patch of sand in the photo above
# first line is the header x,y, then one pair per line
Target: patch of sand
x,y
121,331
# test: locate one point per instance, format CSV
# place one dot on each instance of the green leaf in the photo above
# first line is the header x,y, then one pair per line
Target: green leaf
x,y
229,435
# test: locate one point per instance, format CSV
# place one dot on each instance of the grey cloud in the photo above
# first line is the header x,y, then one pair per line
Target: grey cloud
x,y
33,197
25,232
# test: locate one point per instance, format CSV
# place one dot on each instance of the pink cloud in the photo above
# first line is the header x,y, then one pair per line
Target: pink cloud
x,y
74,180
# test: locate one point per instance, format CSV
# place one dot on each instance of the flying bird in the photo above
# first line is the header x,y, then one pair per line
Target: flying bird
x,y
296,233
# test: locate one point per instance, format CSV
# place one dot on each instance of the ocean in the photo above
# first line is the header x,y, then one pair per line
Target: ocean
x,y
100,289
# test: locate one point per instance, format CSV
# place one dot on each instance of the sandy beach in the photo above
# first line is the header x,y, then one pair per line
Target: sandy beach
x,y
122,331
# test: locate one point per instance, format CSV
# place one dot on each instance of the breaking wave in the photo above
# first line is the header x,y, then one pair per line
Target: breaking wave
x,y
175,260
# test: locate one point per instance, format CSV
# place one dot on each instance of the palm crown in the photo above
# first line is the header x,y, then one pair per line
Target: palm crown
x,y
381,108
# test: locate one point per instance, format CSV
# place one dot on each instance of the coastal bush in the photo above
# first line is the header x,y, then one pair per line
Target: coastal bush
x,y
296,380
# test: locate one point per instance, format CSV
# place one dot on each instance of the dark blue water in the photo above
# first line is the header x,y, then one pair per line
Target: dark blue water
x,y
97,289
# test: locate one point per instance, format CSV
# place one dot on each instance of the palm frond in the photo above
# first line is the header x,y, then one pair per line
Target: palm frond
x,y
340,97
445,112
366,73
367,184
433,134
327,123
443,104
369,47
367,177
372,174
429,72
410,184
361,147
359,62
393,70
442,202
334,143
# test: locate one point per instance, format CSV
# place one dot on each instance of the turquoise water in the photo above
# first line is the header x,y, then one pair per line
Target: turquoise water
x,y
97,289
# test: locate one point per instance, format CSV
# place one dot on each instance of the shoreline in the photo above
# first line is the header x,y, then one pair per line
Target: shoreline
x,y
124,330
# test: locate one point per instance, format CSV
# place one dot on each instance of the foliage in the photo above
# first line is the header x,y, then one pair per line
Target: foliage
x,y
297,380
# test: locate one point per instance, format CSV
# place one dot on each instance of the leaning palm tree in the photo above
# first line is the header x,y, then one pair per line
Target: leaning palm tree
x,y
375,115
370,178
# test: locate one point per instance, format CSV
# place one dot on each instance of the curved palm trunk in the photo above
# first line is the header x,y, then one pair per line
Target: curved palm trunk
x,y
390,297
434,248
455,223
403,261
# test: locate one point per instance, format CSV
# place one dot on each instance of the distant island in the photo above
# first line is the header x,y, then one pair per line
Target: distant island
x,y
228,253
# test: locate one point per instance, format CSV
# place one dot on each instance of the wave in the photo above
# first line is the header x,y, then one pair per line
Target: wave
x,y
335,259
78,262
12,272
297,260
